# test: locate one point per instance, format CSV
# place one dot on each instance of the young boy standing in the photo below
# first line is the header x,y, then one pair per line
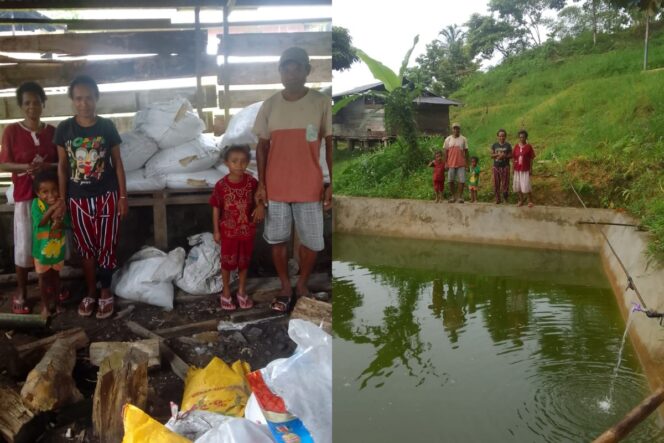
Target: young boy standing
x,y
290,127
456,159
438,166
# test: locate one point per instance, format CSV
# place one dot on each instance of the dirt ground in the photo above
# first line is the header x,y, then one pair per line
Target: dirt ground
x,y
262,339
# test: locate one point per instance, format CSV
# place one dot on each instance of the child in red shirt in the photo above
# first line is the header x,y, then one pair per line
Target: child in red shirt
x,y
234,216
523,155
438,165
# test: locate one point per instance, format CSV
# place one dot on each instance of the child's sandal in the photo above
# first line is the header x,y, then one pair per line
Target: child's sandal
x,y
86,307
63,296
244,301
106,307
227,303
19,307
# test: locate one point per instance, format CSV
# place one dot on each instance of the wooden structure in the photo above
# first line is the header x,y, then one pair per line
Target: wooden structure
x,y
176,51
363,119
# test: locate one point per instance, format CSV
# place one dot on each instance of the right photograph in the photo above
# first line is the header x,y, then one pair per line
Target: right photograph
x,y
498,244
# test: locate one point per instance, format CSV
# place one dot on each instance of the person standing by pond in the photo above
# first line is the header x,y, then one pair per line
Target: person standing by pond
x,y
290,127
456,161
523,160
27,149
501,152
92,178
438,166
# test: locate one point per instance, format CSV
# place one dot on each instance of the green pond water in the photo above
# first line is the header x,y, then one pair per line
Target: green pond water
x,y
448,342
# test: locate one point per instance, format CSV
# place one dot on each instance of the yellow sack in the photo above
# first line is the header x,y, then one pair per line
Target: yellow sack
x,y
217,388
141,428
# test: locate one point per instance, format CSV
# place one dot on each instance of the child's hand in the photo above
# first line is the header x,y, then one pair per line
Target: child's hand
x,y
217,236
259,213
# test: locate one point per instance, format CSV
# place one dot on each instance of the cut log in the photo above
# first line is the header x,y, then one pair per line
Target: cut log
x,y
50,384
18,424
317,312
22,321
179,366
99,351
188,329
77,336
122,378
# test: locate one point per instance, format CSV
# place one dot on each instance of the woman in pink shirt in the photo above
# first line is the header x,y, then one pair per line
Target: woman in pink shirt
x,y
523,155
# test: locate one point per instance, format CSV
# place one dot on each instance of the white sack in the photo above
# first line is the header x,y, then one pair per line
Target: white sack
x,y
136,149
170,123
193,156
195,180
136,181
202,268
239,130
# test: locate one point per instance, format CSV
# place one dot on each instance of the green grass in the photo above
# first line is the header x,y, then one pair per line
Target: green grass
x,y
596,122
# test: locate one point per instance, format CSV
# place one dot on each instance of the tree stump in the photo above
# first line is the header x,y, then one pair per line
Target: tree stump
x,y
122,378
18,424
50,384
317,312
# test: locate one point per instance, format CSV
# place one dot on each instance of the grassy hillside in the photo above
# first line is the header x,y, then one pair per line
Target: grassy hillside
x,y
595,119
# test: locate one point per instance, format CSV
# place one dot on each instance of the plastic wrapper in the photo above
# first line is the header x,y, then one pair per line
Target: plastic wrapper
x,y
237,430
217,388
139,427
202,268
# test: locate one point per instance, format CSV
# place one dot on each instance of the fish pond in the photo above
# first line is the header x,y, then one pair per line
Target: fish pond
x,y
451,342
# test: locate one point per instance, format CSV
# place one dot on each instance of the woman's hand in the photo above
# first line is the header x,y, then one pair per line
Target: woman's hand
x,y
123,208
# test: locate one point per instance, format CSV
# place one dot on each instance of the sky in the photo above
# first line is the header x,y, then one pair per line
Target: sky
x,y
385,30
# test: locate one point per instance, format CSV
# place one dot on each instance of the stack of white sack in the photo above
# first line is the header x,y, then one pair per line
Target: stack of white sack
x,y
194,180
170,123
138,182
193,156
136,148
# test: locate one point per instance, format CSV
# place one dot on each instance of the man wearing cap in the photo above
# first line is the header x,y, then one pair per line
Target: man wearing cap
x,y
456,159
290,127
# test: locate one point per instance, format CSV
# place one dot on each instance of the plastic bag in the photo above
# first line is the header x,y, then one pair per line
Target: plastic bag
x,y
148,276
217,388
194,180
141,428
304,380
253,411
193,424
193,156
136,181
170,123
202,268
237,430
10,194
136,148
240,127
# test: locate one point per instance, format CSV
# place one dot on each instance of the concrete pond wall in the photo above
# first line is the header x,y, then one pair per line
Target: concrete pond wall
x,y
544,227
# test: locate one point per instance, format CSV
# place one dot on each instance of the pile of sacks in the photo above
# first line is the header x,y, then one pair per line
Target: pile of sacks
x,y
167,148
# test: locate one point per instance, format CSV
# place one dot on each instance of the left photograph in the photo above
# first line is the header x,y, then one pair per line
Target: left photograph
x,y
165,221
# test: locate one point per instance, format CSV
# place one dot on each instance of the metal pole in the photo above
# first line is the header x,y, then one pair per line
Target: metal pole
x,y
197,62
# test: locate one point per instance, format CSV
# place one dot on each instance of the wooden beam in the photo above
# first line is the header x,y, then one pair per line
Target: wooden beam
x,y
179,366
274,43
243,98
101,350
621,429
264,73
60,73
317,312
188,329
149,42
113,102
104,4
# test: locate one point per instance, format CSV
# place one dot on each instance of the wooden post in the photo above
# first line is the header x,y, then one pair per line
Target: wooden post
x,y
122,378
197,61
160,224
224,48
620,430
50,384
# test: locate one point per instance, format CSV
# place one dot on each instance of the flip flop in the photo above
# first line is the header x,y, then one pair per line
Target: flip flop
x,y
64,295
103,311
19,307
530,204
245,301
227,303
281,303
86,307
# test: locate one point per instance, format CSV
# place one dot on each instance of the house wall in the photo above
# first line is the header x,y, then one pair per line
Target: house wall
x,y
433,119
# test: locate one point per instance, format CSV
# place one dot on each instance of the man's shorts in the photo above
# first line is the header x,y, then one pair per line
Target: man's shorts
x,y
458,173
308,219
23,234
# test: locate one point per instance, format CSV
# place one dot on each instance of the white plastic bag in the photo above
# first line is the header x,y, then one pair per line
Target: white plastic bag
x,y
136,181
304,380
136,148
193,156
148,276
194,180
170,123
194,423
202,268
237,430
239,130
10,194
253,411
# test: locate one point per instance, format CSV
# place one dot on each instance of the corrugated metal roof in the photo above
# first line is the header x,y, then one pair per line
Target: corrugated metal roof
x,y
436,101
427,97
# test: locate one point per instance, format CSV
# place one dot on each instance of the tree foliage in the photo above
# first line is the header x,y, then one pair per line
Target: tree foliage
x,y
526,17
343,52
486,35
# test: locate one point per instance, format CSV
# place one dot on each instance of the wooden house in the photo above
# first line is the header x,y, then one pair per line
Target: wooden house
x,y
363,119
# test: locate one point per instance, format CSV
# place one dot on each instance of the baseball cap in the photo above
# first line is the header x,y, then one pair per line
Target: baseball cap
x,y
294,54
456,125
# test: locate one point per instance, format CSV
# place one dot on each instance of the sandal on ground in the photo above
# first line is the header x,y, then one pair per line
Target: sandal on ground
x,y
451,200
281,303
520,203
227,303
530,204
106,307
19,307
244,301
86,307
64,295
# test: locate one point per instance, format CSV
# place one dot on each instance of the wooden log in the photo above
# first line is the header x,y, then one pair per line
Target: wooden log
x,y
100,351
90,43
179,366
122,378
633,418
18,424
267,73
50,384
188,329
76,336
317,312
274,43
21,321
53,74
